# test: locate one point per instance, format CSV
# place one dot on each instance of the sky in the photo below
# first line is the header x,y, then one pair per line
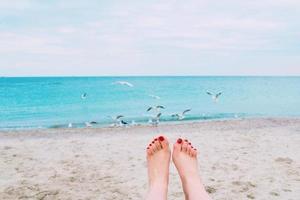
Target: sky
x,y
150,37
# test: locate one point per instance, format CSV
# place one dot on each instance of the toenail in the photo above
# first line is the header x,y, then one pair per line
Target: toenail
x,y
179,141
152,142
155,139
148,148
190,143
186,140
192,147
161,138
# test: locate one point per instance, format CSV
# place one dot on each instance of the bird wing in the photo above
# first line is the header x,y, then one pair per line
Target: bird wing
x,y
154,96
209,93
187,110
123,122
162,107
119,116
217,95
158,115
150,108
128,84
84,95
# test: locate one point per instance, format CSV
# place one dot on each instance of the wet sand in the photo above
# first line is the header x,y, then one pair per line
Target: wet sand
x,y
239,159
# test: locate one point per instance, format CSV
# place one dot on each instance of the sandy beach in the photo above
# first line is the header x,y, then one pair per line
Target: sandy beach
x,y
239,159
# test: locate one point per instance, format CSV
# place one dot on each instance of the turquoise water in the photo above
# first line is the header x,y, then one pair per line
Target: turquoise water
x,y
56,102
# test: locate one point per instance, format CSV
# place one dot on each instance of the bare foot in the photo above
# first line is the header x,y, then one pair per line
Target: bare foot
x,y
158,160
185,159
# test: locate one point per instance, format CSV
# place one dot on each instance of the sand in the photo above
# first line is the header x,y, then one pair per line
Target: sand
x,y
239,159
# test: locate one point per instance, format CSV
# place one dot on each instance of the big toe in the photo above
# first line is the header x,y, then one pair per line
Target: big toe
x,y
163,142
178,145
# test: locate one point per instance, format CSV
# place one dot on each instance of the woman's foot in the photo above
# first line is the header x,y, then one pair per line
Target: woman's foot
x,y
158,160
185,159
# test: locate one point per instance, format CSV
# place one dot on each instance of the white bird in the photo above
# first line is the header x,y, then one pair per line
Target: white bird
x,y
133,123
215,97
154,96
83,96
70,125
156,119
181,116
88,124
117,120
123,83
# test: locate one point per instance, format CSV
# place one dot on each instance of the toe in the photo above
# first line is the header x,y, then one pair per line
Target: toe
x,y
189,149
148,150
195,152
163,142
178,145
157,144
185,146
152,148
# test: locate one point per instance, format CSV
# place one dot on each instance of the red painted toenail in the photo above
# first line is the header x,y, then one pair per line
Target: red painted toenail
x,y
148,148
152,142
186,140
161,138
150,145
190,143
155,139
179,141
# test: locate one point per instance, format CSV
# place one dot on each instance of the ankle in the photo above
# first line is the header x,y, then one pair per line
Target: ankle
x,y
192,179
158,183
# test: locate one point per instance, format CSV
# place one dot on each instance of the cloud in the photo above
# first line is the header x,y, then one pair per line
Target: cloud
x,y
136,34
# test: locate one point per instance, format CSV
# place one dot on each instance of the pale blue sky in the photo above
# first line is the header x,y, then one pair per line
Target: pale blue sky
x,y
136,37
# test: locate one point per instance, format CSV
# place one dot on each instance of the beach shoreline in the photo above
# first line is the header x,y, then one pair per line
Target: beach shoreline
x,y
251,158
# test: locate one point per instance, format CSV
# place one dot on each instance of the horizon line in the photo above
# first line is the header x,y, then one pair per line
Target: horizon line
x,y
117,76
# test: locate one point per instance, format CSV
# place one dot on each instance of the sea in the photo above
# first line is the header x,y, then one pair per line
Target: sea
x,y
57,102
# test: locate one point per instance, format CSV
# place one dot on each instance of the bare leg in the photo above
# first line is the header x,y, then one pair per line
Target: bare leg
x,y
185,159
158,160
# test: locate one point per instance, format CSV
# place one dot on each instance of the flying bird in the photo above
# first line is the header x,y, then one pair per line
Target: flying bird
x,y
181,116
123,83
88,124
215,97
157,108
84,96
154,96
155,120
117,120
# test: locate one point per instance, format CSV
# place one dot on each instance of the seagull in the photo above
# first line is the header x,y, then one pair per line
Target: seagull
x,y
181,116
117,119
156,119
214,96
157,108
70,125
83,96
133,123
154,96
88,124
123,83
